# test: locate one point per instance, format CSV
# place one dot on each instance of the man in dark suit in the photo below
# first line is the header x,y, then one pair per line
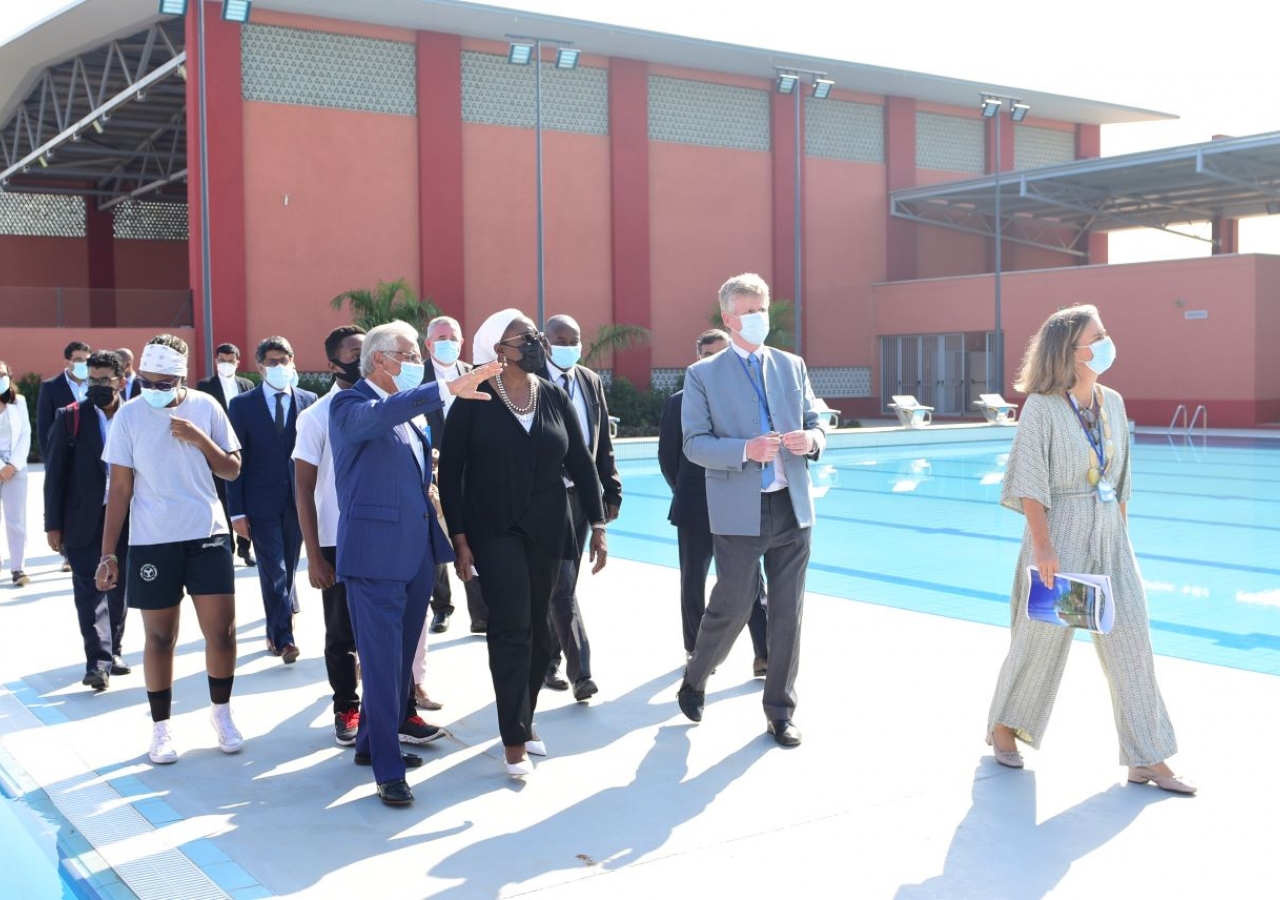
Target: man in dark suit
x,y
688,513
131,387
75,494
756,453
389,540
261,501
586,391
224,386
444,345
65,388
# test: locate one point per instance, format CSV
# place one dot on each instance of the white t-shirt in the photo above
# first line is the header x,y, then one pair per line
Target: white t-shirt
x,y
174,498
312,446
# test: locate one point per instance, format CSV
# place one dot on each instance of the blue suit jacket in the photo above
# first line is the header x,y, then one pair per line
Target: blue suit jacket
x,y
265,486
386,521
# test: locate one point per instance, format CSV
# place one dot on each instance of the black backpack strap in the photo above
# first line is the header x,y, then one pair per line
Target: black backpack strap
x,y
73,423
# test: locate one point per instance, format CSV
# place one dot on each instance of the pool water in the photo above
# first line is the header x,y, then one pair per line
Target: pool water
x,y
29,855
920,528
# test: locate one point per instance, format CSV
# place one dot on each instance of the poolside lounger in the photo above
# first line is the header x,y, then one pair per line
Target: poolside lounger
x,y
910,413
830,417
997,410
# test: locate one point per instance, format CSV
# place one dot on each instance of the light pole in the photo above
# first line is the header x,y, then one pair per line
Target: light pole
x,y
521,53
992,106
788,82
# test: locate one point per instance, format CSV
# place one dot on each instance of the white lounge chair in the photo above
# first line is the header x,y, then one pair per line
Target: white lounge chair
x,y
996,409
910,413
613,427
830,416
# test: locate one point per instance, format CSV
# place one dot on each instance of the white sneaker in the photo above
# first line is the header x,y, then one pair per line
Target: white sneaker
x,y
162,752
229,737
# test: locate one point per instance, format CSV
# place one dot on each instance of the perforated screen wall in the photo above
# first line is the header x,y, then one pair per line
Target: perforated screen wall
x,y
140,220
1034,146
950,143
41,215
714,115
494,92
839,130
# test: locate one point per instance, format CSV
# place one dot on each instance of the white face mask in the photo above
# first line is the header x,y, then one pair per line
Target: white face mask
x,y
4,384
279,377
755,327
227,369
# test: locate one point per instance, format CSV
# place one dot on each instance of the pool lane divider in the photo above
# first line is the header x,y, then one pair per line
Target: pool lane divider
x,y
117,817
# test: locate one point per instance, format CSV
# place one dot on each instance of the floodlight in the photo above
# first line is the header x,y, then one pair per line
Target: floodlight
x,y
173,7
567,58
991,106
520,54
1018,111
97,126
787,82
822,88
44,162
236,10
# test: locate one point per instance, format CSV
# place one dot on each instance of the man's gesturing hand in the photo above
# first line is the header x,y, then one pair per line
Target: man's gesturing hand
x,y
465,385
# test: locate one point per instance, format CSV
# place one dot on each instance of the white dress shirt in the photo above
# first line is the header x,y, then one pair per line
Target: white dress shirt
x,y
230,388
420,421
445,374
578,398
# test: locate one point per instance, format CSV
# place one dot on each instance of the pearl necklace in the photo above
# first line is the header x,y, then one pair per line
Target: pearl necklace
x,y
518,410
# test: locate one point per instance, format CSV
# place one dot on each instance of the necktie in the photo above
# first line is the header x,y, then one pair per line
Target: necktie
x,y
564,379
280,413
766,472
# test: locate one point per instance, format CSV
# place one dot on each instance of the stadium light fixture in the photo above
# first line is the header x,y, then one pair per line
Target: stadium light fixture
x,y
787,82
991,106
567,58
1018,110
822,88
236,11
173,7
520,54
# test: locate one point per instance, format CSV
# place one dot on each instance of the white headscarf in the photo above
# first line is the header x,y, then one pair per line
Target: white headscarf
x,y
162,360
491,333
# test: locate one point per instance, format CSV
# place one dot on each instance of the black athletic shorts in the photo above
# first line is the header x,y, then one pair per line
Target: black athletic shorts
x,y
159,573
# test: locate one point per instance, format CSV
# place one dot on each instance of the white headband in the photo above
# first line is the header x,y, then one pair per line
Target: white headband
x,y
162,360
490,333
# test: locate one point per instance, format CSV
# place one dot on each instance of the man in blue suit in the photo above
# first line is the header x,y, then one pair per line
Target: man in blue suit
x,y
389,541
261,501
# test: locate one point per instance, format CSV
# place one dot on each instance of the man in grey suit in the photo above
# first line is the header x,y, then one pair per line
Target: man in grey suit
x,y
748,419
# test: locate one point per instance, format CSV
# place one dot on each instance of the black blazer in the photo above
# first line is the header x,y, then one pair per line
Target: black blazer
x,y
213,387
435,418
599,444
687,480
55,393
496,478
75,478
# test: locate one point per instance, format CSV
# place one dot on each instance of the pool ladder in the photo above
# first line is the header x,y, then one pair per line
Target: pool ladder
x,y
1200,416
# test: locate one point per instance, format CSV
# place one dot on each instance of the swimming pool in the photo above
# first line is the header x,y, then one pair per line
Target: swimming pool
x,y
920,527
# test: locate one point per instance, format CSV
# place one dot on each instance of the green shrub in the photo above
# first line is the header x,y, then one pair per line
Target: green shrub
x,y
638,411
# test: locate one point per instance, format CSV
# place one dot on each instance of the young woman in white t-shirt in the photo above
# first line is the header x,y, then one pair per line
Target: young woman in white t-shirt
x,y
164,450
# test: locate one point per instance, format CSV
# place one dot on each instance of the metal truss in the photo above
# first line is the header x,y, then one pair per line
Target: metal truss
x,y
1061,237
109,123
1115,208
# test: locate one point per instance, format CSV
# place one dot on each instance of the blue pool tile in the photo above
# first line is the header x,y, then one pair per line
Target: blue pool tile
x,y
256,892
204,853
230,876
157,812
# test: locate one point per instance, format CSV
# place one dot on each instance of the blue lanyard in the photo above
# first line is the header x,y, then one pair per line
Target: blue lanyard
x,y
758,388
1099,446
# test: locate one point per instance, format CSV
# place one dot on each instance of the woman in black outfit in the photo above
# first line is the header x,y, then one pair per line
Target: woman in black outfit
x,y
508,514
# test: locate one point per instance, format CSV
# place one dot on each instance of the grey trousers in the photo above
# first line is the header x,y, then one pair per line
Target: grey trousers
x,y
785,548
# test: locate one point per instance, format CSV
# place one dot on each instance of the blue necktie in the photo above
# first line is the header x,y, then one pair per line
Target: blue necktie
x,y
766,472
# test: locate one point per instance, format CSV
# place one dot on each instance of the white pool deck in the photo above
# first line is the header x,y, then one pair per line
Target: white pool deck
x,y
893,793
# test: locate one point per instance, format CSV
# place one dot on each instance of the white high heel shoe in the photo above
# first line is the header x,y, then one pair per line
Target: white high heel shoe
x,y
521,768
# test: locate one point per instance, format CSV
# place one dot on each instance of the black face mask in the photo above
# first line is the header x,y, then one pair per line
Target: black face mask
x,y
350,371
101,395
533,357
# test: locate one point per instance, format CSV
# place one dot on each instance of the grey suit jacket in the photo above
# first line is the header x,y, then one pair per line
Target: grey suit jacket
x,y
721,413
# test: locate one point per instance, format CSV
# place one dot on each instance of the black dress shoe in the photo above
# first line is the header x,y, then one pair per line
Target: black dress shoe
x,y
395,793
440,623
584,688
411,760
691,702
119,666
785,732
98,679
480,626
553,680
247,556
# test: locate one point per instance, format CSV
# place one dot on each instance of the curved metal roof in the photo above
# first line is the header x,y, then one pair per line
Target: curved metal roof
x,y
1055,207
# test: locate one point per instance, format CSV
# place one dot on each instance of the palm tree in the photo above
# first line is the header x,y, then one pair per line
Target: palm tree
x,y
387,302
782,324
612,338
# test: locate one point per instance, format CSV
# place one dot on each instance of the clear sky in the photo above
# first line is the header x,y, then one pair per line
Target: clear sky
x,y
1211,63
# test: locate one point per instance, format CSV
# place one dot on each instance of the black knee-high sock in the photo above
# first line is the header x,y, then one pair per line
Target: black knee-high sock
x,y
161,702
220,689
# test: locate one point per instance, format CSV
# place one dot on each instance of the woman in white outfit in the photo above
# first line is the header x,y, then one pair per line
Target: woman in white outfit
x,y
15,444
1068,473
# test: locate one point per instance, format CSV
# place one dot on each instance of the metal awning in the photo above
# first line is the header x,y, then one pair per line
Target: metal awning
x,y
1056,207
108,123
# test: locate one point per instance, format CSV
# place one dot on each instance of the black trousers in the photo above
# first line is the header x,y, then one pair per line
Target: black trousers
x,y
100,614
518,577
339,641
568,633
696,550
442,596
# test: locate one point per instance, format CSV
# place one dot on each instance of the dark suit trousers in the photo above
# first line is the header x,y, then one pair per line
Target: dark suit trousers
x,y
785,548
695,563
387,617
568,633
277,541
518,578
442,596
339,642
101,614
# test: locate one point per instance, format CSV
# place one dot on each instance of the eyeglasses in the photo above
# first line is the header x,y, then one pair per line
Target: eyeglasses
x,y
272,363
529,337
409,356
109,381
166,386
